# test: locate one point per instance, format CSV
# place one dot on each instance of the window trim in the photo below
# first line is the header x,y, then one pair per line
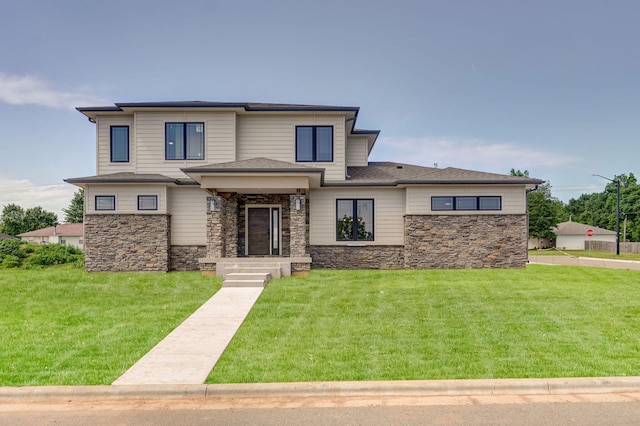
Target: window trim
x,y
184,141
155,198
454,203
111,141
314,145
355,212
111,197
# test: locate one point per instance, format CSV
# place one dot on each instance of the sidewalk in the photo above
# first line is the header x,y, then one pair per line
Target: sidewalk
x,y
585,261
189,353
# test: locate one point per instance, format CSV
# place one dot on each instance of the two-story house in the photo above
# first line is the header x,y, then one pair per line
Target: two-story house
x,y
194,185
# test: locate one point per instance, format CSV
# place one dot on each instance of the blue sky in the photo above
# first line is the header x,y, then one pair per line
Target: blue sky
x,y
547,86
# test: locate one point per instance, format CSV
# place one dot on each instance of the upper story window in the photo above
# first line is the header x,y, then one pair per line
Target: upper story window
x,y
105,202
314,143
147,202
184,141
354,220
119,144
466,203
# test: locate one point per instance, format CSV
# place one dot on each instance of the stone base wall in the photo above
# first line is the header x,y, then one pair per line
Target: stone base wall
x,y
127,242
361,257
465,241
185,258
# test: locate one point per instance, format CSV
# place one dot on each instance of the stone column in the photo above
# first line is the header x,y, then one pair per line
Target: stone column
x,y
298,226
216,207
230,227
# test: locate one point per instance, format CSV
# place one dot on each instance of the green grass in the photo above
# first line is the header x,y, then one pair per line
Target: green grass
x,y
63,326
542,321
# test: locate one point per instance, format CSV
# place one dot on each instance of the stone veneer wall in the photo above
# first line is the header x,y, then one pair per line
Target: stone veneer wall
x,y
357,257
185,258
127,242
465,241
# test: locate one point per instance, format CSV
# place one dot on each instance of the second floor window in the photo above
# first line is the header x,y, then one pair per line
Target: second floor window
x,y
119,144
105,202
314,143
184,141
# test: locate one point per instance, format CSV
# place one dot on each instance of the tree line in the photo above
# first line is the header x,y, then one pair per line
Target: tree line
x,y
596,209
16,220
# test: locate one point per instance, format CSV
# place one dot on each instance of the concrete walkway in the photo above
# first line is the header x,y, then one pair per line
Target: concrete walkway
x,y
188,353
585,261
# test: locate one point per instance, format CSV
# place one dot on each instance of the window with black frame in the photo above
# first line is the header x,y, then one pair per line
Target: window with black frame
x,y
354,220
184,141
314,143
466,203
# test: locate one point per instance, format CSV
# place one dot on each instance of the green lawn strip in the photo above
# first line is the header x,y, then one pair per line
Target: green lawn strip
x,y
62,326
542,321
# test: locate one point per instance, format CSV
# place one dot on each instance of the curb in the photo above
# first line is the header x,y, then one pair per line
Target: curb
x,y
324,389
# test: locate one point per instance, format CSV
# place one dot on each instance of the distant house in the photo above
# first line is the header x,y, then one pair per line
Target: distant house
x,y
573,235
71,234
6,237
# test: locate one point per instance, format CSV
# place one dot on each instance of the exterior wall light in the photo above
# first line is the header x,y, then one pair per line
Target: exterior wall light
x,y
298,204
213,205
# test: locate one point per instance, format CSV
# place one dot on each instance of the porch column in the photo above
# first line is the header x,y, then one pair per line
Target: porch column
x,y
298,225
215,226
230,226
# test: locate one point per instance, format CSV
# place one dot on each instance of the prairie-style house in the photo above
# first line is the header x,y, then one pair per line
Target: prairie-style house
x,y
197,185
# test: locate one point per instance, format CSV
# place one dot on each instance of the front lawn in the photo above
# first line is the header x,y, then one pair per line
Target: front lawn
x,y
64,326
542,321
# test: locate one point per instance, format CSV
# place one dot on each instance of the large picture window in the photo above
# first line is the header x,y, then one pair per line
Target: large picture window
x,y
354,220
119,144
466,203
314,143
184,141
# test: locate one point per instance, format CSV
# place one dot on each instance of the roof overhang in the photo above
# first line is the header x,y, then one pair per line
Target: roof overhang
x,y
256,176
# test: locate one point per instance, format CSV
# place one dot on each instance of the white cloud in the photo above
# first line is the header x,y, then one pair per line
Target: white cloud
x,y
468,154
27,194
32,90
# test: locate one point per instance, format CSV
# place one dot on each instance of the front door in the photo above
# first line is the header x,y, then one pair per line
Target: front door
x,y
263,231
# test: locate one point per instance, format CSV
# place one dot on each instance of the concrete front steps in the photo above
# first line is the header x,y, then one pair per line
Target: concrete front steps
x,y
248,273
246,279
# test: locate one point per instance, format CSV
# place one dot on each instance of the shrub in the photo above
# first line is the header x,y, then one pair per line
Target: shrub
x,y
10,247
55,254
10,261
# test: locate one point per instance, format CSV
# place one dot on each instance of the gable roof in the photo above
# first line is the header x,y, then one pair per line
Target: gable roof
x,y
575,228
64,230
392,174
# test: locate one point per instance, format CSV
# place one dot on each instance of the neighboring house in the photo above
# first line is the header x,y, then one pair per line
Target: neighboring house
x,y
573,235
195,185
70,234
6,237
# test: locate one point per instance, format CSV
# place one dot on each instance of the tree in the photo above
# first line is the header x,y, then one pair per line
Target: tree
x,y
12,219
545,211
16,220
75,212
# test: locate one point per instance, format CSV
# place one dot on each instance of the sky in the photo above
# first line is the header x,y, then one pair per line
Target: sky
x,y
552,87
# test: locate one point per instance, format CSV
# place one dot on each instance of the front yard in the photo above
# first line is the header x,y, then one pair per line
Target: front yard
x,y
63,326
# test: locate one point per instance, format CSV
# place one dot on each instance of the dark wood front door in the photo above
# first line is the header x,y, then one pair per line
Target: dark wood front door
x,y
263,231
